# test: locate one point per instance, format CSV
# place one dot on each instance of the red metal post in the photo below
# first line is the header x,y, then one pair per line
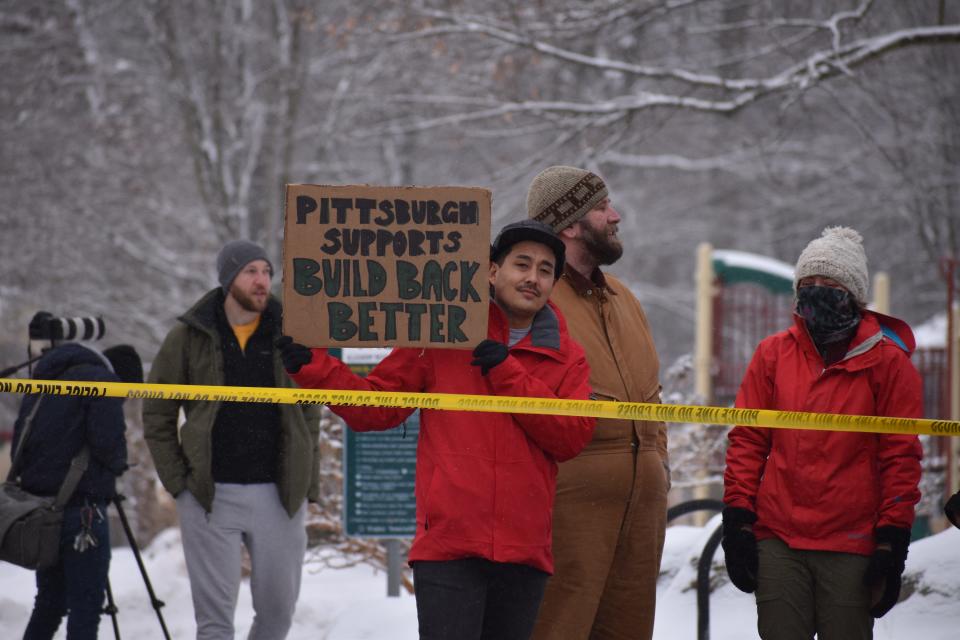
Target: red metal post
x,y
948,269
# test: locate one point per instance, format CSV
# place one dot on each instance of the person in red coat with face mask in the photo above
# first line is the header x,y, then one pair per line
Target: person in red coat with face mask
x,y
818,522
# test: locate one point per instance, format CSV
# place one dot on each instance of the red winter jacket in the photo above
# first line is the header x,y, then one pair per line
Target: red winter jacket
x,y
485,481
827,490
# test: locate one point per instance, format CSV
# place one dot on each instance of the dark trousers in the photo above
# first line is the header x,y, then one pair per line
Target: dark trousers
x,y
477,599
76,585
802,593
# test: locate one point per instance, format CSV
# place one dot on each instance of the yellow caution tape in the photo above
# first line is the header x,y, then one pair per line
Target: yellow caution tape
x,y
493,404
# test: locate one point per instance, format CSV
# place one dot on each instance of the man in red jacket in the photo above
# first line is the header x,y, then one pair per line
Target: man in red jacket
x,y
485,482
818,522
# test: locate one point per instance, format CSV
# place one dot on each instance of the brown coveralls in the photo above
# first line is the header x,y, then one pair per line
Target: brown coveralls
x,y
610,512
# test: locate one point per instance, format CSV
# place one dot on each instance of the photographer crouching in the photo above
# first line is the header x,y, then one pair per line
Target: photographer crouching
x,y
53,433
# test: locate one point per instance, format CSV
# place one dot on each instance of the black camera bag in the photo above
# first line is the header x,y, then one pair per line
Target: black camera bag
x,y
30,524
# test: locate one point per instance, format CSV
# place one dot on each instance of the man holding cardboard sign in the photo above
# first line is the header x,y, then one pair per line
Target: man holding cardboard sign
x,y
484,482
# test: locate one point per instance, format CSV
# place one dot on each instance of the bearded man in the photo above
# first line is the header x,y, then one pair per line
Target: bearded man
x,y
241,472
610,513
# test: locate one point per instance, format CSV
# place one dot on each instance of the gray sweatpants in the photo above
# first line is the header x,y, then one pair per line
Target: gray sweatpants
x,y
251,515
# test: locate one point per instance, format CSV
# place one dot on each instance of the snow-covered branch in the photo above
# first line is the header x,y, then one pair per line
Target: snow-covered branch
x,y
95,90
615,106
828,63
845,56
714,93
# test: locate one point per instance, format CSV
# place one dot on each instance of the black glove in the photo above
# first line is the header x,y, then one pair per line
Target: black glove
x,y
740,548
886,567
952,510
489,354
292,354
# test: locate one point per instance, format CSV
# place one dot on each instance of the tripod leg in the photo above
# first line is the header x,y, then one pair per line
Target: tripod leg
x,y
111,610
154,601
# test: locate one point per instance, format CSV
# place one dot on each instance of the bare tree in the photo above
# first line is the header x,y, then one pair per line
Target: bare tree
x,y
234,70
776,118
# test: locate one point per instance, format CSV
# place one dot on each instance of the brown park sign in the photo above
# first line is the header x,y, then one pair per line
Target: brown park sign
x,y
367,266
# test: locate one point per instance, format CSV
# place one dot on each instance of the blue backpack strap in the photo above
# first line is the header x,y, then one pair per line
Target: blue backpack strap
x,y
891,335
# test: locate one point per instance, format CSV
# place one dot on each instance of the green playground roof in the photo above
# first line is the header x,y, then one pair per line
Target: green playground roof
x,y
733,267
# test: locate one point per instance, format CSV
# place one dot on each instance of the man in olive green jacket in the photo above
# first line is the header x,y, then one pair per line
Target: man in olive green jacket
x,y
610,513
241,472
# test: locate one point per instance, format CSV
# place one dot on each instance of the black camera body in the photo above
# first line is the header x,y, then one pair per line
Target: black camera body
x,y
47,327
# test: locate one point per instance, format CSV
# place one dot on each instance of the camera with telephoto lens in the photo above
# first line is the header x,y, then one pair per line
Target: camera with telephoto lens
x,y
46,326
47,330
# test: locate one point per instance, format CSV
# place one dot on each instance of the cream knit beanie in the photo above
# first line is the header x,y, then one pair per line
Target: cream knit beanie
x,y
837,254
559,196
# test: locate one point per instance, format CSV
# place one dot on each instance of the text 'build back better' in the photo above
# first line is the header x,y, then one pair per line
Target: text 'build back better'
x,y
386,266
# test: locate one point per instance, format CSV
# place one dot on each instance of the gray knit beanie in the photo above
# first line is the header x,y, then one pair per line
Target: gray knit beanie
x,y
837,254
559,196
234,256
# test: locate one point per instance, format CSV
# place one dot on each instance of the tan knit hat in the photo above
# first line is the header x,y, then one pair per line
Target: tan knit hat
x,y
837,254
559,196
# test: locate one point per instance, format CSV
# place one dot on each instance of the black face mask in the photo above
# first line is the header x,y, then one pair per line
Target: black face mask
x,y
831,315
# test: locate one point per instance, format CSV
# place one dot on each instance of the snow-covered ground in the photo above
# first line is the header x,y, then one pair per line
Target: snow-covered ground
x,y
931,611
351,604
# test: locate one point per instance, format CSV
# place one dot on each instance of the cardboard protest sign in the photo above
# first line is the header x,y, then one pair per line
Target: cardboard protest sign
x,y
367,266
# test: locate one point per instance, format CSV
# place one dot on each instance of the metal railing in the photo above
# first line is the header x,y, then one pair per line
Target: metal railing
x,y
705,561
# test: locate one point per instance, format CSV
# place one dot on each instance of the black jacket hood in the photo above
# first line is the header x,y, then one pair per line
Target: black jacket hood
x,y
57,360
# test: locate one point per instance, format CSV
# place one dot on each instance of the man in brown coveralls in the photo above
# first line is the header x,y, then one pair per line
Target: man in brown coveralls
x,y
610,512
